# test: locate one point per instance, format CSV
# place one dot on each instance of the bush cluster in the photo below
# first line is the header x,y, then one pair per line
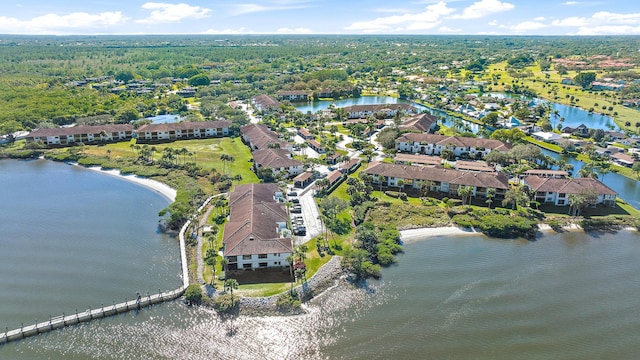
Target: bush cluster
x,y
288,301
226,303
396,195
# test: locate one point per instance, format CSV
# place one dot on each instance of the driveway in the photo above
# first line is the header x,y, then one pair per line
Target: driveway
x,y
310,214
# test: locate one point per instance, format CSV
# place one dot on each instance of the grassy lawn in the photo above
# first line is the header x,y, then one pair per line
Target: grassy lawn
x,y
404,216
544,145
207,154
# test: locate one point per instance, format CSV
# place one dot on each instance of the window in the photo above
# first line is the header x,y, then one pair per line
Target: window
x,y
246,266
276,254
233,259
562,195
262,264
262,256
560,202
246,257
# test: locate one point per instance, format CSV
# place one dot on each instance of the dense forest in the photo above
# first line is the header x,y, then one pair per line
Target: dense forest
x,y
53,80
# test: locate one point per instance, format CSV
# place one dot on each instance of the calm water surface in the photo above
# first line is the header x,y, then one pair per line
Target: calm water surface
x,y
72,238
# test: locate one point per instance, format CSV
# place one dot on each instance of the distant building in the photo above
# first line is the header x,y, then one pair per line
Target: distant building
x,y
388,110
85,134
265,103
420,123
293,95
557,191
432,144
183,130
259,136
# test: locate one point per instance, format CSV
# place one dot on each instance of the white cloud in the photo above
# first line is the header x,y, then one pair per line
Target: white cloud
x,y
493,23
240,9
528,26
539,18
613,18
483,8
166,13
569,3
445,29
294,31
58,24
428,19
609,30
603,23
228,31
570,22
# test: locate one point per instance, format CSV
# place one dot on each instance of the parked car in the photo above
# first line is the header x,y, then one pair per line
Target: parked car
x,y
292,193
295,200
296,209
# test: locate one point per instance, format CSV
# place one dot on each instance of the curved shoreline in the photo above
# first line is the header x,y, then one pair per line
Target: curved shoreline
x,y
163,189
411,235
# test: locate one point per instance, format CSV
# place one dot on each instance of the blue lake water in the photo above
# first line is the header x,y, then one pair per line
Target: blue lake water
x,y
163,119
363,100
72,238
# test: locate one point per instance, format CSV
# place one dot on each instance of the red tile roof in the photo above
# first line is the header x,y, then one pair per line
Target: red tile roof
x,y
274,158
252,226
568,186
261,136
420,122
460,141
498,181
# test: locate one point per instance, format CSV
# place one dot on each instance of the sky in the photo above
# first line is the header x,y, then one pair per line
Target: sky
x,y
464,17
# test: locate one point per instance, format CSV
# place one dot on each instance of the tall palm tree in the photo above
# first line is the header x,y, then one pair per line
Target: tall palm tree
x,y
211,259
231,284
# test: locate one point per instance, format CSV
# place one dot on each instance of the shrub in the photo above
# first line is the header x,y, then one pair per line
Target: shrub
x,y
464,220
288,301
454,202
384,256
393,194
504,226
90,161
226,303
193,294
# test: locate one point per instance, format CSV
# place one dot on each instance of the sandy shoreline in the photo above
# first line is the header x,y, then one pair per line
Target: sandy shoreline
x,y
408,236
421,233
163,189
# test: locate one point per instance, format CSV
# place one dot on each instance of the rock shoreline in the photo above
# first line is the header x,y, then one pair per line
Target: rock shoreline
x,y
266,306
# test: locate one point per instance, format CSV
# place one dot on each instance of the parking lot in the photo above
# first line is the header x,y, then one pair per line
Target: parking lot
x,y
308,215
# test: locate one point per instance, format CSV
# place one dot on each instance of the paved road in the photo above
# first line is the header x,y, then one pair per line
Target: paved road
x,y
310,214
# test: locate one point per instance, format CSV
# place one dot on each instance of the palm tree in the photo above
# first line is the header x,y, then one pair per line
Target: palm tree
x,y
231,284
555,114
224,158
211,259
184,152
465,193
491,193
109,154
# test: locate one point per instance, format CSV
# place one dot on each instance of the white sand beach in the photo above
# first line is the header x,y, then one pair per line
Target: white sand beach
x,y
422,233
164,189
